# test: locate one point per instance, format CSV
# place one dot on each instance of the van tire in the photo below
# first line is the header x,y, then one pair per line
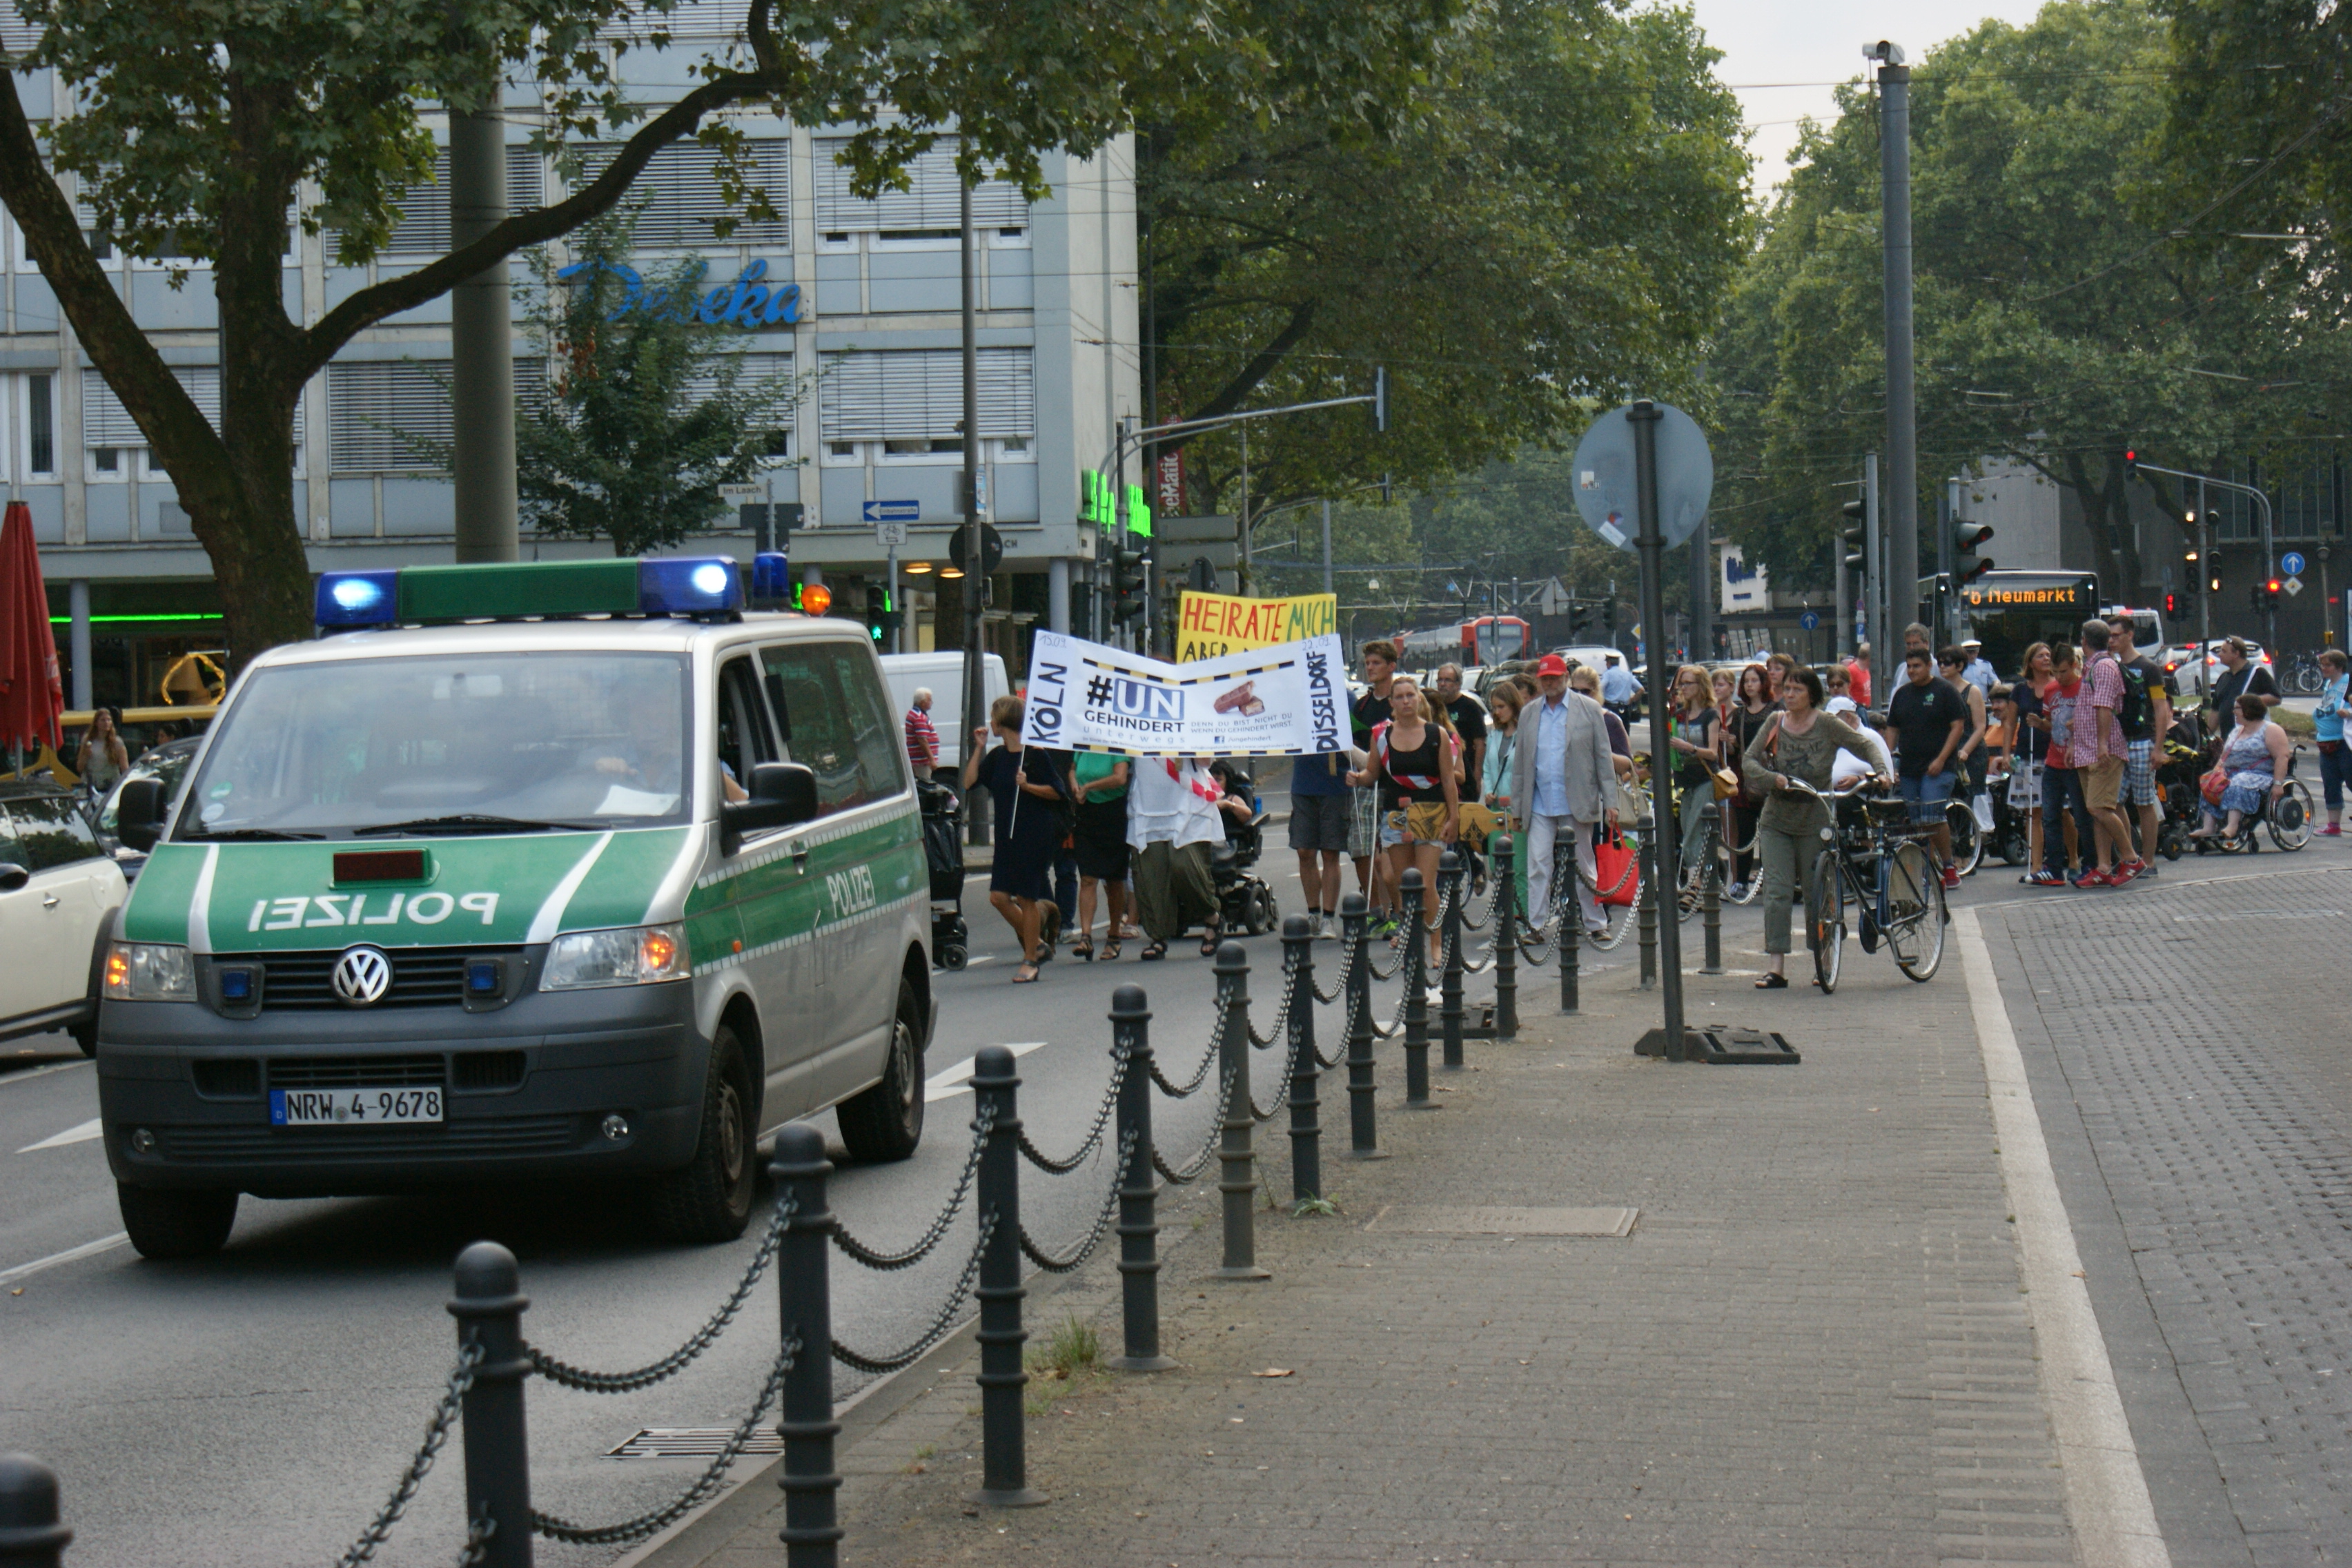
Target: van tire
x,y
886,1122
710,1198
84,1032
165,1223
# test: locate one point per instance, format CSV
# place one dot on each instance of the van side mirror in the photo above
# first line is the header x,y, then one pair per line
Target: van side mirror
x,y
783,794
139,814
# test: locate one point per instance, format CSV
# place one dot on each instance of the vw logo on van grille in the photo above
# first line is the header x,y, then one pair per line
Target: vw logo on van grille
x,y
362,975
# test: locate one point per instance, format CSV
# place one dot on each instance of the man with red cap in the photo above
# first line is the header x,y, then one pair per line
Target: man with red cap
x,y
1562,780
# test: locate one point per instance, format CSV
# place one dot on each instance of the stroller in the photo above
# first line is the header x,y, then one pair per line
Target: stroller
x,y
943,854
1245,902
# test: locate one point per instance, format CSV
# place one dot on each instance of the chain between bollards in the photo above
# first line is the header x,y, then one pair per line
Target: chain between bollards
x,y
30,1535
1363,1128
489,1302
1138,1188
1306,1071
1710,887
1414,974
812,1533
1503,848
1236,1159
1647,901
1450,881
1004,1462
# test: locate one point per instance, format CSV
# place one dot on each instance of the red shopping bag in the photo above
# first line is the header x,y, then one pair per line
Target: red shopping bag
x,y
1615,872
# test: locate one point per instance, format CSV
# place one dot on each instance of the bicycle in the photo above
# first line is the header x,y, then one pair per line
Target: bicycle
x,y
1873,860
2304,677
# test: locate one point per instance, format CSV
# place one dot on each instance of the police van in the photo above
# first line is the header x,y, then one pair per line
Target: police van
x,y
548,871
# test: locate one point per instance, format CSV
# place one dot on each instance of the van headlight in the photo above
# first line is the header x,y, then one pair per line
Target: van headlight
x,y
149,971
631,955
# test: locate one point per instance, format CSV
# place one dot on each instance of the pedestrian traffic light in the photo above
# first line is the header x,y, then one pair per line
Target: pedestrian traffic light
x,y
1853,536
1127,577
1968,538
881,612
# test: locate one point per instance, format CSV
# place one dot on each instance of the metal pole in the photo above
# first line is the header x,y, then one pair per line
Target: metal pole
x,y
1413,971
30,1535
1901,412
2270,568
1702,596
481,340
1710,893
1004,1459
1305,1132
810,1535
77,642
1138,1188
1507,937
1243,584
1236,1178
975,598
1842,635
1449,981
1327,542
1645,910
1660,889
1363,1131
488,1304
2204,599
1874,580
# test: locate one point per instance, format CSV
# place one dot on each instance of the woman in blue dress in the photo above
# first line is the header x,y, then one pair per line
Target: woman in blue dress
x,y
2255,758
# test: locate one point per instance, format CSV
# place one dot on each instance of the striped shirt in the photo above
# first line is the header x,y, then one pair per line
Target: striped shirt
x,y
922,742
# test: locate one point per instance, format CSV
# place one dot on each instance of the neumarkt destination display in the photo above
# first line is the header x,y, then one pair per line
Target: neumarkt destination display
x,y
1276,702
1208,625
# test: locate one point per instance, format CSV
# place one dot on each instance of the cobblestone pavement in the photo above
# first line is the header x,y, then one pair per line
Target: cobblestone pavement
x,y
2189,1060
1811,1348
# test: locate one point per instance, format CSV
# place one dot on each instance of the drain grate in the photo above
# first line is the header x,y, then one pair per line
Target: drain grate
x,y
692,1443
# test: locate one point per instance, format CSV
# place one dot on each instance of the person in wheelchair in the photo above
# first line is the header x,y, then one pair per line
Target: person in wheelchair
x,y
2254,765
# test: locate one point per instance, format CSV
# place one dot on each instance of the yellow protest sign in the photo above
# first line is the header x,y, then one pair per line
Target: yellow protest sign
x,y
1208,625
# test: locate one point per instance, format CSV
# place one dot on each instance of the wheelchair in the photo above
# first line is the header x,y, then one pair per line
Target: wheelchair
x,y
2287,819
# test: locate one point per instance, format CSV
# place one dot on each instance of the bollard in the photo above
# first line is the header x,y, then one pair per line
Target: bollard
x,y
1363,1128
810,1535
1138,1188
1236,1161
1568,907
1306,1071
30,1535
1449,977
1646,901
1710,888
1004,1459
488,1304
1506,939
1413,971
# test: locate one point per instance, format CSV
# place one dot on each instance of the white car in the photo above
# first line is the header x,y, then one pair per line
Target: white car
x,y
2192,675
58,892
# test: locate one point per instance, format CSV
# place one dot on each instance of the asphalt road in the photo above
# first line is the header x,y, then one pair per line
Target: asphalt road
x,y
256,1408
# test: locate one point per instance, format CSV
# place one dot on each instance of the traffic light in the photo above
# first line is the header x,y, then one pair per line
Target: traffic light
x,y
1853,535
2172,604
2265,595
1126,583
881,613
2131,465
1967,565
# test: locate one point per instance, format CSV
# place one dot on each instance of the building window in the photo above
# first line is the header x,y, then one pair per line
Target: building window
x,y
929,211
392,416
915,395
108,431
40,425
424,226
677,200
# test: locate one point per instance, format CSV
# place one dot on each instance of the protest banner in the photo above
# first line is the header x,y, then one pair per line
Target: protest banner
x,y
1208,625
1260,702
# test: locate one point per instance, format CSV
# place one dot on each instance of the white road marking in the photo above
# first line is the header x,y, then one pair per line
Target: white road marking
x,y
957,1079
31,1073
82,1135
70,1254
2106,1493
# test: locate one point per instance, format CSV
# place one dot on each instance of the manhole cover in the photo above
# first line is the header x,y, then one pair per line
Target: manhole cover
x,y
692,1443
1438,1219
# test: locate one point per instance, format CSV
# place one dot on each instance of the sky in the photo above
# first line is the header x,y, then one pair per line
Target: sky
x,y
1819,43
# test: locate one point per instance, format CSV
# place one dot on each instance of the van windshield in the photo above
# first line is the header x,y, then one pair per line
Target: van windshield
x,y
544,739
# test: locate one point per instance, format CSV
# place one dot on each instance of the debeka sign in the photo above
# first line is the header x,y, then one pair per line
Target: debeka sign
x,y
745,302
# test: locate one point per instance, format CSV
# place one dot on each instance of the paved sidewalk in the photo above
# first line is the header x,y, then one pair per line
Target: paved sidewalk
x,y
1813,1346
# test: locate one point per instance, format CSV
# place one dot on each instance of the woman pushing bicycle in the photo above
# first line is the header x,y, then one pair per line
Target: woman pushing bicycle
x,y
1801,742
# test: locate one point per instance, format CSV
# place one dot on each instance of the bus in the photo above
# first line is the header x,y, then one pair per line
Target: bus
x,y
2011,611
1484,640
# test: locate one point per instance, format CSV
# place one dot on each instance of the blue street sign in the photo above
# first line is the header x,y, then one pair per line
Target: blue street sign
x,y
893,510
2293,563
1811,620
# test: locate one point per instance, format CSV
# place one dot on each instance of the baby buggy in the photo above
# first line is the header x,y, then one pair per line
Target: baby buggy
x,y
943,854
1245,902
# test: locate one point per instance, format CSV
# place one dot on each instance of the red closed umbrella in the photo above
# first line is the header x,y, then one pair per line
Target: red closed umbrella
x,y
31,695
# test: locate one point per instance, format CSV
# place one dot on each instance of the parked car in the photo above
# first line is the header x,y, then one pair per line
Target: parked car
x,y
2192,675
168,765
58,892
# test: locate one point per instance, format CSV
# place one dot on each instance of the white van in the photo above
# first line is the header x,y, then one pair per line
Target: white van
x,y
943,674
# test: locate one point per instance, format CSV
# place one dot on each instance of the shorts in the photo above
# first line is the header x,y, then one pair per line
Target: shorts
x,y
2100,782
2024,783
1928,793
1363,821
2139,772
1322,822
1417,822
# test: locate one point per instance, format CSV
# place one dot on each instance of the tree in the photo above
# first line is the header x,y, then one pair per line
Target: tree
x,y
1555,225
196,127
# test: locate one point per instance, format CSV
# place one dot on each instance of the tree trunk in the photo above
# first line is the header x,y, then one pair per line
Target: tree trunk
x,y
2107,515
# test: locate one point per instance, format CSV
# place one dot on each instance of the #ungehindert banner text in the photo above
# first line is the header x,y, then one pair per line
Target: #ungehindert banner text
x,y
1273,701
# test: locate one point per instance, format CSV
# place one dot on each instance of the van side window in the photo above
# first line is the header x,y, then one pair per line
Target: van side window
x,y
841,728
744,740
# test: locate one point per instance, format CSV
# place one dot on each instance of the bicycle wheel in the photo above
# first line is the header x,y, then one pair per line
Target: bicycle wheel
x,y
2289,817
1825,917
1967,842
1914,911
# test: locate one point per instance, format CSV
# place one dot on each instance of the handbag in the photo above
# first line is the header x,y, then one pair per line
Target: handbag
x,y
1611,859
2213,787
1981,805
1726,783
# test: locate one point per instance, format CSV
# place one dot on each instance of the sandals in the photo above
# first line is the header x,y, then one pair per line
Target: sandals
x,y
1045,954
1025,975
1773,982
1157,950
1110,948
1211,940
1084,948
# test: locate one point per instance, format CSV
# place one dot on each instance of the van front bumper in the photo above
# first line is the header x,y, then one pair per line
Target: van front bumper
x,y
528,1090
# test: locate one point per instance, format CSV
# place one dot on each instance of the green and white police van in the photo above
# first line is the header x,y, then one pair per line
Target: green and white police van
x,y
563,871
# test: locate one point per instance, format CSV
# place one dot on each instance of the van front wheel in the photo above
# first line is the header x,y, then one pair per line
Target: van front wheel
x,y
711,1199
165,1223
886,1122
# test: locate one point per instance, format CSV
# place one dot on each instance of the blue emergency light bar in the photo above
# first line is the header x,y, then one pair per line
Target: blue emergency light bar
x,y
694,585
